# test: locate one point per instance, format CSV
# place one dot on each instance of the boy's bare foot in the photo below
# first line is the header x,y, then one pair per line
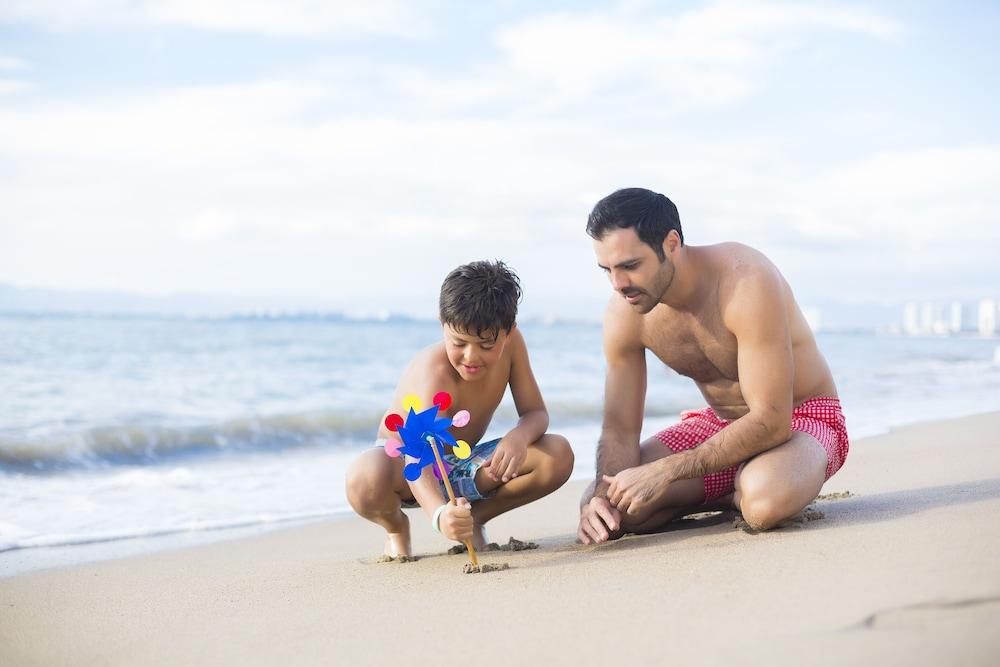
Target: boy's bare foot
x,y
397,546
479,537
480,541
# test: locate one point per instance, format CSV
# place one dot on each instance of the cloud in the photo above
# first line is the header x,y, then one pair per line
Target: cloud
x,y
10,63
377,176
268,17
15,86
704,58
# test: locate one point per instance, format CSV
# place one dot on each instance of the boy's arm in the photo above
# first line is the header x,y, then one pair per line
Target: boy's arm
x,y
533,417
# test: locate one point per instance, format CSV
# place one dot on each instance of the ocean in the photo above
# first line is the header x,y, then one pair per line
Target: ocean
x,y
119,433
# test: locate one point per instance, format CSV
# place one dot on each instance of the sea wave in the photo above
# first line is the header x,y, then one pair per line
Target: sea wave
x,y
130,444
148,443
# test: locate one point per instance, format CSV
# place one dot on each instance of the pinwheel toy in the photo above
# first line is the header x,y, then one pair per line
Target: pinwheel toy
x,y
420,434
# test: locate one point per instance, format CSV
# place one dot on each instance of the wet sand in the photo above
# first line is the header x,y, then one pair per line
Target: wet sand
x,y
903,569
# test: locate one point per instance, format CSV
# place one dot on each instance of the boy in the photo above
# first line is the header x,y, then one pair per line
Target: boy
x,y
482,353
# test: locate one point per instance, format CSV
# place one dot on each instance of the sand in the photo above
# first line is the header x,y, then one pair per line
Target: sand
x,y
900,564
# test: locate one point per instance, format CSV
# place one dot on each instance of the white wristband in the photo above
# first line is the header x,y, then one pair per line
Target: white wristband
x,y
436,519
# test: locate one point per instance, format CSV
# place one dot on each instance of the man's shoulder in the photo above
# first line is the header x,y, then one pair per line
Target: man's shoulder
x,y
737,264
623,325
746,277
733,257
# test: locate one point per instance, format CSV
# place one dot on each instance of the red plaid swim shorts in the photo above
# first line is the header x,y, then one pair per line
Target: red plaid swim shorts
x,y
822,418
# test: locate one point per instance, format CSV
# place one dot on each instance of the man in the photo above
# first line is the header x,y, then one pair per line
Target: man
x,y
725,317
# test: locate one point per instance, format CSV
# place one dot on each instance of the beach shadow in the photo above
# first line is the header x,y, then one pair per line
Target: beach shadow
x,y
567,548
852,510
876,507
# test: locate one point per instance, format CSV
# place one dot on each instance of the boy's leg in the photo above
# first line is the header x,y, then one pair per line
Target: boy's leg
x,y
376,488
547,467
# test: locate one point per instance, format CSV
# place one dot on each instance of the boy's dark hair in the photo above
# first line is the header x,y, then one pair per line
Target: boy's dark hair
x,y
480,297
652,215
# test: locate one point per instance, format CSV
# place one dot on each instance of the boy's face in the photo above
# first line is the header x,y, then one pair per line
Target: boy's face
x,y
471,355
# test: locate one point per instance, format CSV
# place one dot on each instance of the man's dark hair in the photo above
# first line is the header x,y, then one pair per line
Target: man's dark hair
x,y
480,298
650,213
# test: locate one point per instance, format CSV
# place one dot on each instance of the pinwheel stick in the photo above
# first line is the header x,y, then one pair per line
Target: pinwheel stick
x,y
451,494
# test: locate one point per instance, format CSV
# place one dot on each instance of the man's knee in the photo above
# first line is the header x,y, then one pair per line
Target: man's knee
x,y
764,508
763,511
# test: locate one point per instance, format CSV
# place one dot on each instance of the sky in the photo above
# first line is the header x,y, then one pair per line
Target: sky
x,y
348,155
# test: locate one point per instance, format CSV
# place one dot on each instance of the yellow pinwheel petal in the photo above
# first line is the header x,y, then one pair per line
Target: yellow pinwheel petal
x,y
411,401
462,450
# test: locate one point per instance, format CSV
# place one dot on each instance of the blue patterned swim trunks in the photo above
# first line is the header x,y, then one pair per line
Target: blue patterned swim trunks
x,y
462,473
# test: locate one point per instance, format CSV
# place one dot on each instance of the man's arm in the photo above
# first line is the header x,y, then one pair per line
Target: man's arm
x,y
624,401
533,417
624,396
755,312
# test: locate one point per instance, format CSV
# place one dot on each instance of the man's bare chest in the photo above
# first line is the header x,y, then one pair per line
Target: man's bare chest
x,y
706,354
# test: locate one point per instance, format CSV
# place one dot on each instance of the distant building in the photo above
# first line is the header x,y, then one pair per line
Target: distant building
x,y
929,318
911,319
955,321
926,317
987,317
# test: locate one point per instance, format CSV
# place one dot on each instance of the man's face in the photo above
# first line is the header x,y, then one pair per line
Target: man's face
x,y
470,355
633,268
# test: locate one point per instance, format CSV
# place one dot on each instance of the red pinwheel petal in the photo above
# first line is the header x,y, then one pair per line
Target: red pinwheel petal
x,y
393,422
442,399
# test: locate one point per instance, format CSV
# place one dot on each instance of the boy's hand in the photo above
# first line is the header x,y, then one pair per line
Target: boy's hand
x,y
506,460
456,521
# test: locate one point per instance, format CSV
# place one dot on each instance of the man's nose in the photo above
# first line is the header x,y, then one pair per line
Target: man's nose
x,y
619,280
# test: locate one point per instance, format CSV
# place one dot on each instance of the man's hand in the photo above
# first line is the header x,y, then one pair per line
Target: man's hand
x,y
634,490
456,521
597,520
506,461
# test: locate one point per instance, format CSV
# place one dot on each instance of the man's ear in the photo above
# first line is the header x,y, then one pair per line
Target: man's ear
x,y
671,242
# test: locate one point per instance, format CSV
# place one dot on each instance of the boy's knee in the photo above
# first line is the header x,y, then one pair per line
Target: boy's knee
x,y
560,460
365,482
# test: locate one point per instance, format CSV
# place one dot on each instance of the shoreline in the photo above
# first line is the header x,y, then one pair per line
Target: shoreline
x,y
904,567
20,561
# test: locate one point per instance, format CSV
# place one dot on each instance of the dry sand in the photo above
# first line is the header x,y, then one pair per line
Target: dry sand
x,y
905,570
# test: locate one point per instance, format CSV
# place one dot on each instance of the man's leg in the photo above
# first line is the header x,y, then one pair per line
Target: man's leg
x,y
683,496
779,483
547,467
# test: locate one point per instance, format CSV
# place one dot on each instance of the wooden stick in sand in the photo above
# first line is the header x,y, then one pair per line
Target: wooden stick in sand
x,y
451,495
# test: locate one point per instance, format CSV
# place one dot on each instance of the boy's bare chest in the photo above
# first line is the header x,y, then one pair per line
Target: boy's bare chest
x,y
701,349
481,399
